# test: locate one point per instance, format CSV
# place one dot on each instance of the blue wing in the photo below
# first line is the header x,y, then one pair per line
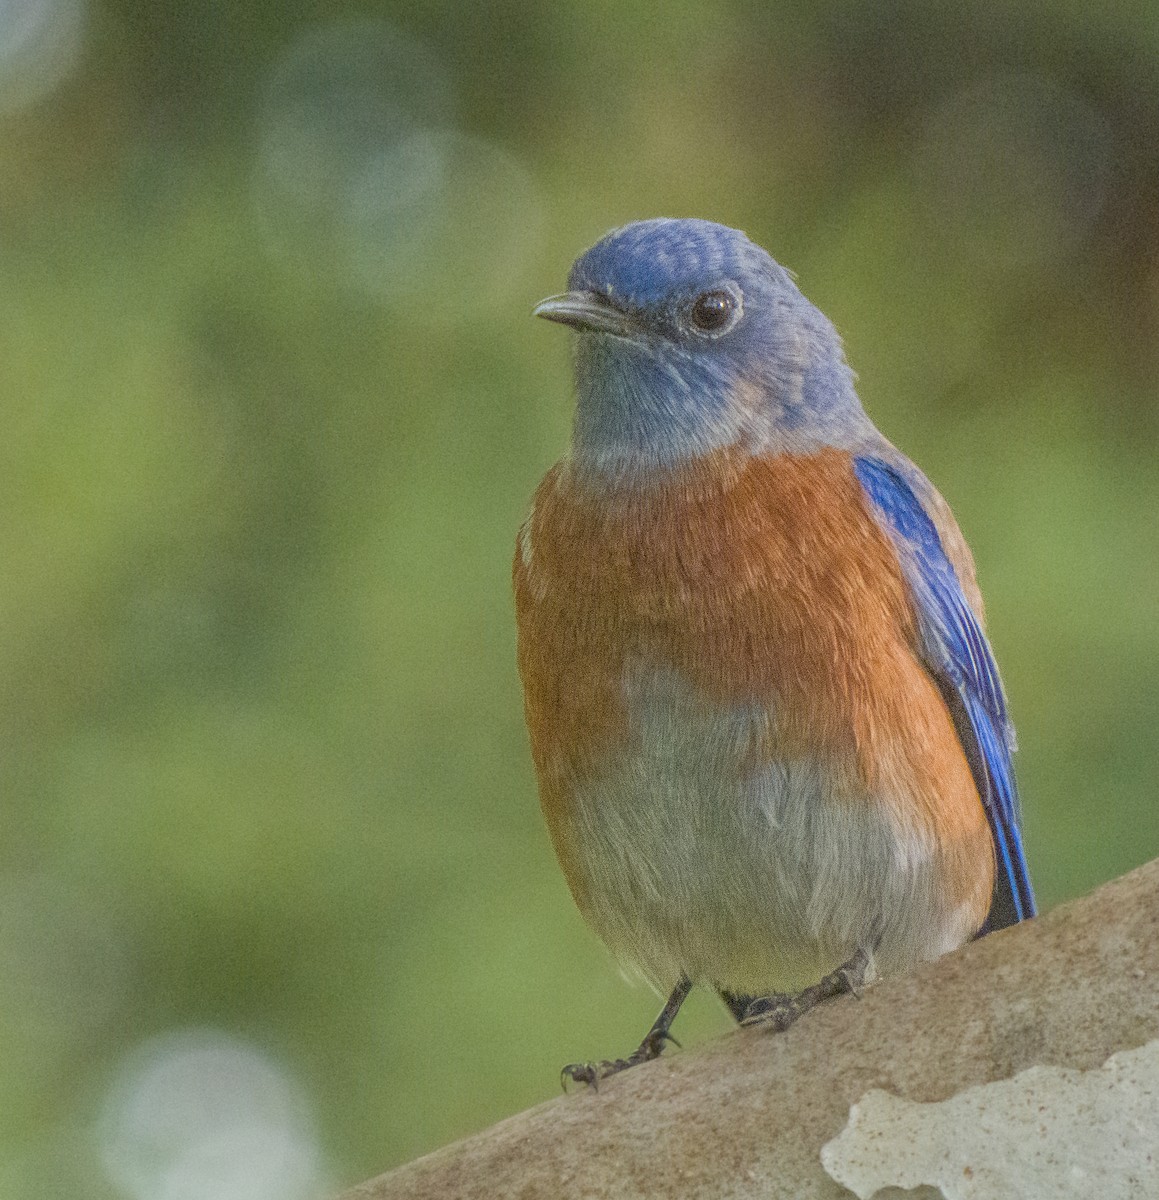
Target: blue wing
x,y
957,655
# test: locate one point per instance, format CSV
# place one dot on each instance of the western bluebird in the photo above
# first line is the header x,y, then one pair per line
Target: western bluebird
x,y
772,746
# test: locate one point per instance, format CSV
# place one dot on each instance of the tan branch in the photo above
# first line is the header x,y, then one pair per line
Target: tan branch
x,y
747,1115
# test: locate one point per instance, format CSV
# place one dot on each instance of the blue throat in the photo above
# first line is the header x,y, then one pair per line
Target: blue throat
x,y
647,404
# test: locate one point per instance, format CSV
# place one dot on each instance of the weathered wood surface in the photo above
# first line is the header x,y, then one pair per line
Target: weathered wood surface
x,y
746,1115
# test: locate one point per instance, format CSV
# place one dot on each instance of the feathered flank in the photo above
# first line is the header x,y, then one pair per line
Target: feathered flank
x,y
954,647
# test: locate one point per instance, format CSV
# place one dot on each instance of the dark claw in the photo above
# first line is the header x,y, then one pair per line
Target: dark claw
x,y
772,1012
653,1045
583,1073
590,1073
779,1012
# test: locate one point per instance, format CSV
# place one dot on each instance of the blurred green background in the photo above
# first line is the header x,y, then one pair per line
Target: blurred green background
x,y
277,910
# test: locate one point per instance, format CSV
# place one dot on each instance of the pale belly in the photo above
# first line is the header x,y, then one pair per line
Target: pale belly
x,y
753,878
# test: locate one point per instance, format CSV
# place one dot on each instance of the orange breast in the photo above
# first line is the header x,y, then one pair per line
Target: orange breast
x,y
760,580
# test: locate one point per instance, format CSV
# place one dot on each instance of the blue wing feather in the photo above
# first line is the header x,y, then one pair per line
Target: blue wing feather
x,y
956,653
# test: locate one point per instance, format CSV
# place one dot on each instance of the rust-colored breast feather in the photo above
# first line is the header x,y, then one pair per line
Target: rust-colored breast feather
x,y
761,581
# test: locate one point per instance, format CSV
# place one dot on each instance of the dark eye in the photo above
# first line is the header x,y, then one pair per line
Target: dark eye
x,y
712,311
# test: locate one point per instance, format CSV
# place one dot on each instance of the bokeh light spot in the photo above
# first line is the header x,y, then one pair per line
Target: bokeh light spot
x,y
362,178
40,44
199,1115
446,223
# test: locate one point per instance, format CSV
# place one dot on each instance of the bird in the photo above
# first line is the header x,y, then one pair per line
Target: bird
x,y
772,746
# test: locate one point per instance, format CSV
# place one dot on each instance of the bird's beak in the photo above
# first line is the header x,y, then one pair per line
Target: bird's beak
x,y
585,311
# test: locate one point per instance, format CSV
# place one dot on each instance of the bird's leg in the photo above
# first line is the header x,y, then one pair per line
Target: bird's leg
x,y
651,1047
779,1012
736,1004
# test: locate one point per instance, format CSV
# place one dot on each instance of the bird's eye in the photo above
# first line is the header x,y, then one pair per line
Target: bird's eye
x,y
713,311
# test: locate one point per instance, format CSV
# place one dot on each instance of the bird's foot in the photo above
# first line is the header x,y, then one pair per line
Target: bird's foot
x,y
779,1012
591,1073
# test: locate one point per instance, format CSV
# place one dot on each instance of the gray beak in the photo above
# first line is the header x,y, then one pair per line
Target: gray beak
x,y
585,311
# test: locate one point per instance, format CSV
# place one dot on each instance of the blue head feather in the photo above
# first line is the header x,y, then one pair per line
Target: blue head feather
x,y
654,390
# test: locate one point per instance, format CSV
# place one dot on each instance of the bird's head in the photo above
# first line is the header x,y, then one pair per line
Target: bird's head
x,y
692,339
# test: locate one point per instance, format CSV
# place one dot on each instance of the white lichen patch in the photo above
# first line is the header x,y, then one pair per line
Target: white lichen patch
x,y
1049,1132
